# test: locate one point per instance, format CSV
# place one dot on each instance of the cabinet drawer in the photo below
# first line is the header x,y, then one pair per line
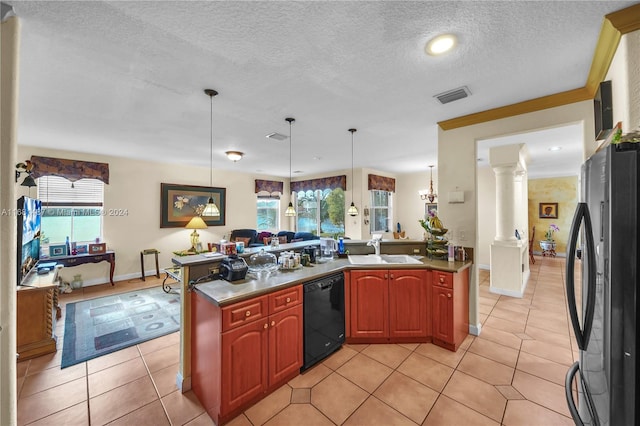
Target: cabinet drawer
x,y
283,299
443,279
244,312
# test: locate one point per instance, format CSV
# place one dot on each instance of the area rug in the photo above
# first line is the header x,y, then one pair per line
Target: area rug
x,y
100,326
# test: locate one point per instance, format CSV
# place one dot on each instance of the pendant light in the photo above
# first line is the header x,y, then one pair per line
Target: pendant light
x,y
211,209
290,212
353,211
430,193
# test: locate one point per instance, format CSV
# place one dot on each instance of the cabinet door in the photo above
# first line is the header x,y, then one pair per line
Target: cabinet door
x,y
442,304
369,304
285,344
408,303
244,364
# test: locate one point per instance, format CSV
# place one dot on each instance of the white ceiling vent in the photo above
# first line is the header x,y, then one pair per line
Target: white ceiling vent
x,y
453,95
277,136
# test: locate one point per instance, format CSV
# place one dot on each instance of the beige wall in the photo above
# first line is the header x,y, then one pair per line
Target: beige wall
x,y
135,186
457,168
626,82
564,191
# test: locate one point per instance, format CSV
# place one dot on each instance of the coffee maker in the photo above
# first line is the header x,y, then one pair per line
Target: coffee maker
x,y
311,251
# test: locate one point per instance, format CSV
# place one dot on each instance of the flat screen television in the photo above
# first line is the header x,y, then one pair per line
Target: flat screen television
x,y
29,222
603,110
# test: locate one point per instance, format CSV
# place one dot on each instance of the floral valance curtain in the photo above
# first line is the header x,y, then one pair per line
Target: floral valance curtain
x,y
382,183
69,169
331,182
269,188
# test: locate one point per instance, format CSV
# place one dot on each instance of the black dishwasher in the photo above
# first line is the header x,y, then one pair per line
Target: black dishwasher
x,y
323,318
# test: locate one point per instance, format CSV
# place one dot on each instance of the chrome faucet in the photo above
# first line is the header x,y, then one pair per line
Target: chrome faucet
x,y
375,242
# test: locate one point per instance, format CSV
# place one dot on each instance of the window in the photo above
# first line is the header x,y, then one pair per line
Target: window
x,y
321,212
380,210
268,209
71,210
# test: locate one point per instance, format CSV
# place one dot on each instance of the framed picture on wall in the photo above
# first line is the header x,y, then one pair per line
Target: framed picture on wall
x,y
430,207
548,211
180,203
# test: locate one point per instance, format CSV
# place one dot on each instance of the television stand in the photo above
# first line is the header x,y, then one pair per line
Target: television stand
x,y
37,308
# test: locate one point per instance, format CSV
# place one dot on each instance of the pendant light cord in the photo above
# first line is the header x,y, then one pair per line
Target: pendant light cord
x,y
211,143
352,132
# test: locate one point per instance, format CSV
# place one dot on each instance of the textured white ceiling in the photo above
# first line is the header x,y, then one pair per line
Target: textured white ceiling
x,y
127,78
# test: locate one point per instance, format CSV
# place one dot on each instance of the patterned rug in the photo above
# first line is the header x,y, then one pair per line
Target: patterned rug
x,y
107,324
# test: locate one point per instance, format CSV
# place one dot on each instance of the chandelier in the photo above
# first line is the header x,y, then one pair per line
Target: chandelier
x,y
428,194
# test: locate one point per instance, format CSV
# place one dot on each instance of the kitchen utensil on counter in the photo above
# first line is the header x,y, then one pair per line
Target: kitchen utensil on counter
x,y
233,268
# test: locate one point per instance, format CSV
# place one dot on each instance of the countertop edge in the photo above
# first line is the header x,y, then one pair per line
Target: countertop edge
x,y
223,293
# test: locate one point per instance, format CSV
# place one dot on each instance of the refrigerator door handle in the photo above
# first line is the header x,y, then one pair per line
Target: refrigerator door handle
x,y
568,382
568,391
582,336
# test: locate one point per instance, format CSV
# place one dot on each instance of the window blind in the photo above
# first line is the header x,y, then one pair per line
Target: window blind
x,y
58,191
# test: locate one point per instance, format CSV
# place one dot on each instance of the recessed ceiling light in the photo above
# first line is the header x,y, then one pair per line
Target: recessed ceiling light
x,y
317,158
555,148
440,44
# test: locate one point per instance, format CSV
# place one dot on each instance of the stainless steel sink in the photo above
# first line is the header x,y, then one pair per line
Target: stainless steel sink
x,y
366,259
400,258
383,259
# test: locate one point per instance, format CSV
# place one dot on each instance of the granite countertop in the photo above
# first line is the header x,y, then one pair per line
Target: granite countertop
x,y
223,293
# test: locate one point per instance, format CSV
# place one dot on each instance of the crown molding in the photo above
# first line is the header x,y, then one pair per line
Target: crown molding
x,y
614,25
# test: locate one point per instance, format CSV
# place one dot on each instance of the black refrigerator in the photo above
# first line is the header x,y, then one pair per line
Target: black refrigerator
x,y
602,290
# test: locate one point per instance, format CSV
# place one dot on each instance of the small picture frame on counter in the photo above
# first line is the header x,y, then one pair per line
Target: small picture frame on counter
x,y
97,248
82,249
58,250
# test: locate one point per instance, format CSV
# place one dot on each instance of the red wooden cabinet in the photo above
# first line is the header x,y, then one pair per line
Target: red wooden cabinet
x,y
285,344
244,364
442,308
408,302
243,351
369,304
450,308
388,305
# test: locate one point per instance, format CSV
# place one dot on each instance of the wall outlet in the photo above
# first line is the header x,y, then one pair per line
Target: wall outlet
x,y
462,236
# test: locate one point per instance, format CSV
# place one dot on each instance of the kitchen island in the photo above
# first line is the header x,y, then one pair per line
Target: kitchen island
x,y
245,338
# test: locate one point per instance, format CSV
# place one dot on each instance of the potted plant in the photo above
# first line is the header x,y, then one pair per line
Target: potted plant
x,y
626,141
549,243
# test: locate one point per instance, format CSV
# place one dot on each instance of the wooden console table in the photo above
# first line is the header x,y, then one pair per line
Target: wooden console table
x,y
80,259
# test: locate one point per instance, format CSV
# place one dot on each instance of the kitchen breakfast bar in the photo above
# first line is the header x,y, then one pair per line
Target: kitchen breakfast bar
x,y
240,340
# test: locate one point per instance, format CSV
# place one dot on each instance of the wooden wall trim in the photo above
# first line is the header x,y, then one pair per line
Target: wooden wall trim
x,y
614,25
537,104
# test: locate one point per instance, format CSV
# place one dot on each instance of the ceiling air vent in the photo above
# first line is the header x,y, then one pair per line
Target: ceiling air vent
x,y
277,136
453,95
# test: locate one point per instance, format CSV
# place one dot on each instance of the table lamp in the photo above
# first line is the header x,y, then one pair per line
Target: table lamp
x,y
195,223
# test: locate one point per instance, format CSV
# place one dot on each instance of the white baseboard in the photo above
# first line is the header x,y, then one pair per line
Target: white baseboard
x,y
475,329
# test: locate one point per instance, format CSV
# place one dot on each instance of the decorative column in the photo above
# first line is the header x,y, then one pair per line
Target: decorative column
x,y
505,202
509,274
